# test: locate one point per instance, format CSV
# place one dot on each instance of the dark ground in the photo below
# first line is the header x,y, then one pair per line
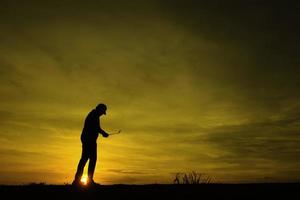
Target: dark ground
x,y
202,191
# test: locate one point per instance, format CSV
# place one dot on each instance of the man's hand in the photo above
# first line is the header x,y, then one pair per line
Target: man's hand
x,y
105,134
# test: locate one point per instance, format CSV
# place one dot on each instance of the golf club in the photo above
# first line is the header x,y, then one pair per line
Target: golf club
x,y
117,132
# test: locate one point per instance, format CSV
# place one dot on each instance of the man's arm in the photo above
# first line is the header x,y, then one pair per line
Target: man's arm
x,y
103,133
100,130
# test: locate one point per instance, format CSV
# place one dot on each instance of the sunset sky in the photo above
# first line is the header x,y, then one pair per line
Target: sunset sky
x,y
210,86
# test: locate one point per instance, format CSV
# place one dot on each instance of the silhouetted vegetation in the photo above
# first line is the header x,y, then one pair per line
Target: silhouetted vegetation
x,y
192,178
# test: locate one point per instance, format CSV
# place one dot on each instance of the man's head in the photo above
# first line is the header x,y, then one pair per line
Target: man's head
x,y
101,109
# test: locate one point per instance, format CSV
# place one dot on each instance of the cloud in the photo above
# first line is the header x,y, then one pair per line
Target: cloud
x,y
19,153
274,140
118,171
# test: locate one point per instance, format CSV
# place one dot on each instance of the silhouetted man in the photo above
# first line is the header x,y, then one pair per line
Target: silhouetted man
x,y
89,137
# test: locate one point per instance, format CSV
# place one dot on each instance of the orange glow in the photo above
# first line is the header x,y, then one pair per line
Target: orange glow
x,y
84,180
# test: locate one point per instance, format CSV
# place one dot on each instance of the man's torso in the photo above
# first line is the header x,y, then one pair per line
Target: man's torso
x,y
91,128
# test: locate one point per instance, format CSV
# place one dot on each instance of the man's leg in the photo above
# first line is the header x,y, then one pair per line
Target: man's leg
x,y
81,164
92,162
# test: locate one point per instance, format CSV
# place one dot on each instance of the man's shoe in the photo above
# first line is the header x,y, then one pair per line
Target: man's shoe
x,y
76,183
93,183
